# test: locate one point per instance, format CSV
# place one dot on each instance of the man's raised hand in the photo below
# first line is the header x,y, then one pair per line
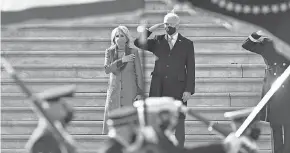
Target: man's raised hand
x,y
155,27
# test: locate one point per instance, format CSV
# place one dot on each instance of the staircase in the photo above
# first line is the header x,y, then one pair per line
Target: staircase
x,y
46,56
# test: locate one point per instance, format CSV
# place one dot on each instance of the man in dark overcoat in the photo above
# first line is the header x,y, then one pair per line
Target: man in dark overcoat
x,y
277,110
174,70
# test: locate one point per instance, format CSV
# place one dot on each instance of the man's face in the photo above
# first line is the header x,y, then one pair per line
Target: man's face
x,y
171,23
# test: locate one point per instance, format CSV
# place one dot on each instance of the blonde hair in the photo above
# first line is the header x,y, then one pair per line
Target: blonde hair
x,y
127,34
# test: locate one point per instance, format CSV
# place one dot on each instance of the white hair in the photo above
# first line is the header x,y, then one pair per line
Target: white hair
x,y
173,16
126,32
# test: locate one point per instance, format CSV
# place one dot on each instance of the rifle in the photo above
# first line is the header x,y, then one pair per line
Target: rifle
x,y
58,132
276,85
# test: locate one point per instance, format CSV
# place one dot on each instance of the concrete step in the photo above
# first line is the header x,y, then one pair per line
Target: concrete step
x,y
95,71
203,85
94,44
156,5
69,58
243,99
97,113
89,142
82,151
104,30
95,127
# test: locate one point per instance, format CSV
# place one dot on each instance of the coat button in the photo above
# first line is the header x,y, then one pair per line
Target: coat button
x,y
275,63
167,65
275,74
284,64
283,86
166,77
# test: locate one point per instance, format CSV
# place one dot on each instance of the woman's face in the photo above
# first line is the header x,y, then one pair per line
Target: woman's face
x,y
120,39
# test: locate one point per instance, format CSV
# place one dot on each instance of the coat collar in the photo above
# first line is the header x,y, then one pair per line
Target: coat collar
x,y
179,40
175,36
179,37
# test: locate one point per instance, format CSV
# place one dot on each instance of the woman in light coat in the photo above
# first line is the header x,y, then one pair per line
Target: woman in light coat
x,y
123,64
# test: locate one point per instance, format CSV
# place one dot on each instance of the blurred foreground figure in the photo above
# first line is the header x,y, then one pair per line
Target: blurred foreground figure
x,y
123,124
277,110
42,140
238,117
162,119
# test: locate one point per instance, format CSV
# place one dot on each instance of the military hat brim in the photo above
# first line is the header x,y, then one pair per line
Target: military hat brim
x,y
54,94
122,116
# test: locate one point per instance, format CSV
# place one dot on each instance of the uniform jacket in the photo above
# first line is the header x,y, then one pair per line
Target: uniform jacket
x,y
169,146
42,141
174,70
111,146
45,144
164,146
277,109
125,83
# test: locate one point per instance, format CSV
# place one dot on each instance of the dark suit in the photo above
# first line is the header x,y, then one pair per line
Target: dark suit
x,y
164,145
174,71
44,143
277,110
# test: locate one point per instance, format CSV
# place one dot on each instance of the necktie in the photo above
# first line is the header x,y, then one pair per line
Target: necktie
x,y
169,39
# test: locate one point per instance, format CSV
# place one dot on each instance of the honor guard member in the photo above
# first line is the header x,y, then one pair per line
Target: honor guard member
x,y
42,140
123,127
277,110
162,116
166,112
161,120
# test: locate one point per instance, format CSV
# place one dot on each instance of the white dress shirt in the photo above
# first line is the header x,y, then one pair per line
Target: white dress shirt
x,y
173,38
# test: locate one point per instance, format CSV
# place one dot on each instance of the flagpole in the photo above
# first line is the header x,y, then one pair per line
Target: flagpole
x,y
143,41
